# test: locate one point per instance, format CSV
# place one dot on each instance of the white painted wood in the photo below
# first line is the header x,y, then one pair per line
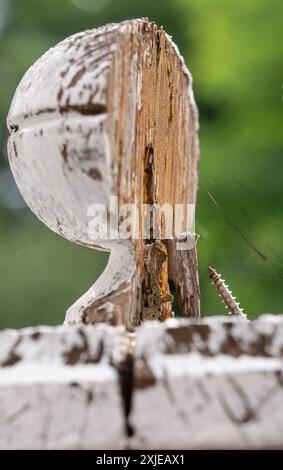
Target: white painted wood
x,y
81,122
198,385
189,394
60,389
232,409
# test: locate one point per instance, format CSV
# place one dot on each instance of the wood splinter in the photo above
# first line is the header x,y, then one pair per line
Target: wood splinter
x,y
110,113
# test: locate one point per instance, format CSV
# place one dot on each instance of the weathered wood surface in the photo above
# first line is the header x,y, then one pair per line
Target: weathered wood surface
x,y
181,384
215,385
107,112
59,388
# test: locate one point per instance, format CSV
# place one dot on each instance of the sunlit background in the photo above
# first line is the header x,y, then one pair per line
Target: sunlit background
x,y
234,50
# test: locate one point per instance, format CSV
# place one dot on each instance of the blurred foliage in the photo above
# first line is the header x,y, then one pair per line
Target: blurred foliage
x,y
234,51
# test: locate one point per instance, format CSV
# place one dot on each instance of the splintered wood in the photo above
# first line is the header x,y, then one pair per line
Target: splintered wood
x,y
215,384
108,113
107,120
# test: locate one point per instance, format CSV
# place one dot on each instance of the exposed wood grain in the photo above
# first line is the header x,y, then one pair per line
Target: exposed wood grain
x,y
183,271
107,112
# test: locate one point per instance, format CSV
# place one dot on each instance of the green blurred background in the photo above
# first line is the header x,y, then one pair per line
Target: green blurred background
x,y
234,51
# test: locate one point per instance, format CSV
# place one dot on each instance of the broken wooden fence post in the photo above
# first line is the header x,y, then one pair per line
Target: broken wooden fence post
x,y
107,118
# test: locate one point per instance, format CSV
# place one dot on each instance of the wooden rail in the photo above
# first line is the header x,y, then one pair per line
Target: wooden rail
x,y
181,384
